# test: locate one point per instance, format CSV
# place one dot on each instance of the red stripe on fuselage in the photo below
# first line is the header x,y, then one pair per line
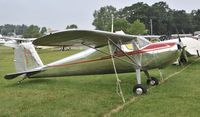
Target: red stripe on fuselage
x,y
160,45
150,47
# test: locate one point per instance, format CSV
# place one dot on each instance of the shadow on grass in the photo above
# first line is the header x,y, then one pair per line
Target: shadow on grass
x,y
29,82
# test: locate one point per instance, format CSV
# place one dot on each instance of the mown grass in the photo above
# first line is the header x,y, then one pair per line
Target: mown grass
x,y
179,96
94,95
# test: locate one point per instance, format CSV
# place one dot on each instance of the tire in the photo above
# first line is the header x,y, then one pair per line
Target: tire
x,y
152,81
139,89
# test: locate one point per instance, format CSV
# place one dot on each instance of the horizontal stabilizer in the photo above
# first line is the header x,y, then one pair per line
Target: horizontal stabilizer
x,y
14,75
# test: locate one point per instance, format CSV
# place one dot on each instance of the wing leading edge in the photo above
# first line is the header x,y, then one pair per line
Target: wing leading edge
x,y
79,37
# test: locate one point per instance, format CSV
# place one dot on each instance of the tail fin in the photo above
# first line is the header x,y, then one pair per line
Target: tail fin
x,y
26,57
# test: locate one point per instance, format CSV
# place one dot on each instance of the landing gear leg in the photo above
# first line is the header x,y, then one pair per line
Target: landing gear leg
x,y
20,81
139,89
151,80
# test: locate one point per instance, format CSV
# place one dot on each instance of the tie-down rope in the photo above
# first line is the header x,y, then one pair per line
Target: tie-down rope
x,y
118,87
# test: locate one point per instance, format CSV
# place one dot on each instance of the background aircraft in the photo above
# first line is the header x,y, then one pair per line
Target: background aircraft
x,y
108,53
2,41
190,45
13,42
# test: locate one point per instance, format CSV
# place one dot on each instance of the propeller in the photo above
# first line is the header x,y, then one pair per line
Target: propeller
x,y
183,57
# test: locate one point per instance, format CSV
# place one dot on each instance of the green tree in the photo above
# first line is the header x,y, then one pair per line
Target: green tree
x,y
137,28
20,29
32,31
10,28
43,30
103,18
121,24
181,21
165,20
72,26
196,19
160,17
7,29
136,11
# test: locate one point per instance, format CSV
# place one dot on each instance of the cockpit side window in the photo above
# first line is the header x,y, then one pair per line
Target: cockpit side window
x,y
142,41
128,47
133,45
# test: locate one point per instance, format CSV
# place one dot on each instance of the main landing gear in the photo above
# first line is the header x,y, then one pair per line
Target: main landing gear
x,y
152,81
140,89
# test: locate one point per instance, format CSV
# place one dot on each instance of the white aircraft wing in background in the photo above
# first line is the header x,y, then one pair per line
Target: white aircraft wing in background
x,y
192,45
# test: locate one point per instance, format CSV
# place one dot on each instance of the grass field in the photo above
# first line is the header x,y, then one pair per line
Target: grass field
x,y
94,96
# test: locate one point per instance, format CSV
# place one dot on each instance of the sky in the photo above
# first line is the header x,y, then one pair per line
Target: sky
x,y
57,14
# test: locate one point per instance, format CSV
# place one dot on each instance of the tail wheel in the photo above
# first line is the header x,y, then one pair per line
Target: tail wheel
x,y
152,81
139,89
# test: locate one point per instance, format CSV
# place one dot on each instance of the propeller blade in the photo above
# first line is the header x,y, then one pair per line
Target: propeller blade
x,y
179,39
183,57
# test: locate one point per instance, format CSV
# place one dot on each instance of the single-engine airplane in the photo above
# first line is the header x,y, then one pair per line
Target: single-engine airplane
x,y
108,53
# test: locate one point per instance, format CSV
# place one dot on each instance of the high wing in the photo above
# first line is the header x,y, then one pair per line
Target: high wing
x,y
82,37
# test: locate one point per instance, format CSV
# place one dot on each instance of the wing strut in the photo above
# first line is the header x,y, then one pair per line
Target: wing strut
x,y
138,88
121,50
135,61
118,89
109,54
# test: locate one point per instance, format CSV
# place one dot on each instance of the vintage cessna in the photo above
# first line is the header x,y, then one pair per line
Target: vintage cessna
x,y
108,53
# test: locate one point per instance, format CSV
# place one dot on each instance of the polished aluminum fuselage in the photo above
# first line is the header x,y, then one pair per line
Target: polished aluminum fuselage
x,y
90,62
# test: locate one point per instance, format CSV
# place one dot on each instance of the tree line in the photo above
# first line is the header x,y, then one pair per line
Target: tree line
x,y
25,31
32,31
164,19
134,19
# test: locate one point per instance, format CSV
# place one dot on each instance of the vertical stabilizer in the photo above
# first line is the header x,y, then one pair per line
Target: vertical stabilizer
x,y
26,57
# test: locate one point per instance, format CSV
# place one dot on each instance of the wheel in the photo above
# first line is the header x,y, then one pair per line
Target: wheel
x,y
152,81
139,89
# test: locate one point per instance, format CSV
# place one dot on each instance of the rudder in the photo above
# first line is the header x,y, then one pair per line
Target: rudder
x,y
26,57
